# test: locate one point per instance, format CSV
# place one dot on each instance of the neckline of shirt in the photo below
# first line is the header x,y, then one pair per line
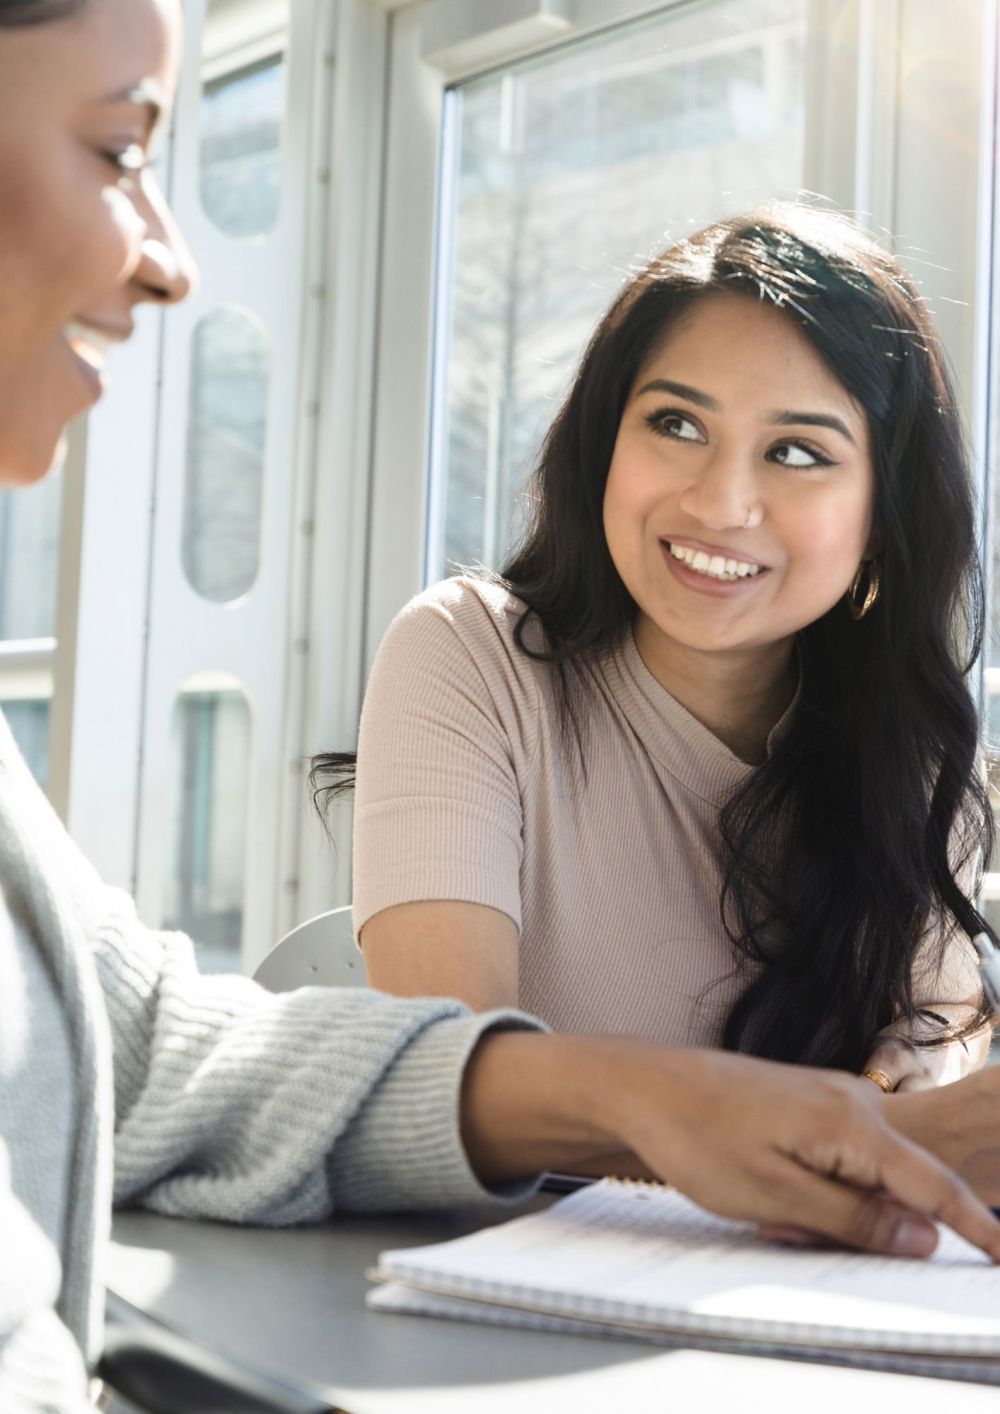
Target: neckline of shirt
x,y
675,738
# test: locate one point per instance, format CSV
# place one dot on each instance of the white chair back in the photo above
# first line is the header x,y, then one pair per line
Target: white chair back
x,y
318,953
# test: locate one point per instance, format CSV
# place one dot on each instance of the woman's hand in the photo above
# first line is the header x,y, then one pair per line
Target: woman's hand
x,y
921,1067
960,1124
792,1147
780,1145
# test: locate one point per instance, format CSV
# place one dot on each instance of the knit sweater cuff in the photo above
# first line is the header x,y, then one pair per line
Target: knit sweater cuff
x,y
404,1148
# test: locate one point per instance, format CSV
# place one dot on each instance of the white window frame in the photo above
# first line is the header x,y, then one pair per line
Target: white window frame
x,y
129,637
258,639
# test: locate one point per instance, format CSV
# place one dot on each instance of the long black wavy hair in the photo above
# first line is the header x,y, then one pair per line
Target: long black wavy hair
x,y
844,854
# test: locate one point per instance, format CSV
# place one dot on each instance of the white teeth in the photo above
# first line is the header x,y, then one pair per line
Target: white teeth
x,y
90,344
714,566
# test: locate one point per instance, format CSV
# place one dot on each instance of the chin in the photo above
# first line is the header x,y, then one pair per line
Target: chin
x,y
25,461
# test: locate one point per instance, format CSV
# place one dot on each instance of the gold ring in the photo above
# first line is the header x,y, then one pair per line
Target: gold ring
x,y
883,1081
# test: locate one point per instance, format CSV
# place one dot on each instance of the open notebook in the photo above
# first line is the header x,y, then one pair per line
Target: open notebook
x,y
642,1262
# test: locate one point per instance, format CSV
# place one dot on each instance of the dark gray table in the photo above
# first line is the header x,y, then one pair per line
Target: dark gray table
x,y
291,1303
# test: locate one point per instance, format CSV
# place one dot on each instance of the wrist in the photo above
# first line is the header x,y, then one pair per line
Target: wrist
x,y
661,1094
532,1102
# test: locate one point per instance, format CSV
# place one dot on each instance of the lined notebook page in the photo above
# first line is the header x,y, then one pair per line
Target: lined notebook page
x,y
650,1258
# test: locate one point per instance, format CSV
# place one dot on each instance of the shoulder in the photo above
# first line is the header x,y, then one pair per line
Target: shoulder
x,y
471,608
462,619
454,649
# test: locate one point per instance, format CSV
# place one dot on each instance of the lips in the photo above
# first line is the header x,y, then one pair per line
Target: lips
x,y
688,542
709,570
715,566
91,344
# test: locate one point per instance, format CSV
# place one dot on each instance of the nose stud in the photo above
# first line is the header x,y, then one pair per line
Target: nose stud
x,y
754,518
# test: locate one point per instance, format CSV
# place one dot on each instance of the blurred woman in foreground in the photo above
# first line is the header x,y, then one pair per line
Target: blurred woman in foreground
x,y
123,1073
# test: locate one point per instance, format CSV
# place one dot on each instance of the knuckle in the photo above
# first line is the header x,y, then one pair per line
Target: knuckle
x,y
846,1112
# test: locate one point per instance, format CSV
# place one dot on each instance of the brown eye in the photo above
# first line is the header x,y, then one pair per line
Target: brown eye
x,y
677,425
798,454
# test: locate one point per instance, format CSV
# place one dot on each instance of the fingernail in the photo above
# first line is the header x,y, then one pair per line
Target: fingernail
x,y
914,1238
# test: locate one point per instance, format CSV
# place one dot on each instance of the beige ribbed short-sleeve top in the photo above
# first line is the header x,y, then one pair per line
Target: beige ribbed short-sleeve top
x,y
469,788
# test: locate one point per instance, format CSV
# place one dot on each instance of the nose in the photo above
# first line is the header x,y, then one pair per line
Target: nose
x,y
724,494
166,271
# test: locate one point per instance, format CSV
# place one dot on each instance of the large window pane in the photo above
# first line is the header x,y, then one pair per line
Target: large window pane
x,y
566,171
227,432
209,777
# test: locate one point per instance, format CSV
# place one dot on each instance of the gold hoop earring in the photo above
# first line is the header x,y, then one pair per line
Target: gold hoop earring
x,y
867,570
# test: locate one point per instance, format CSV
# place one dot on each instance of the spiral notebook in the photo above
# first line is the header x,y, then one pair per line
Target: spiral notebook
x,y
642,1262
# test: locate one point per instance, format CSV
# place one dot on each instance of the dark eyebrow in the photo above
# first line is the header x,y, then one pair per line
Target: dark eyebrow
x,y
811,419
780,419
146,94
680,390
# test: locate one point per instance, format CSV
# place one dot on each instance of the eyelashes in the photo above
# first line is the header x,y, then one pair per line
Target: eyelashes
x,y
658,422
666,422
817,457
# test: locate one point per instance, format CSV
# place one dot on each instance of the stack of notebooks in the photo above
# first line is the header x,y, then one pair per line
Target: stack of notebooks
x,y
641,1262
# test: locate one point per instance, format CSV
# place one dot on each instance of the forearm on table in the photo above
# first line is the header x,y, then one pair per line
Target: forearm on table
x,y
534,1102
750,1139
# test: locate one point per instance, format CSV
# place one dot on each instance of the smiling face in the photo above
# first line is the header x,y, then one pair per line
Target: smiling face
x,y
738,504
85,234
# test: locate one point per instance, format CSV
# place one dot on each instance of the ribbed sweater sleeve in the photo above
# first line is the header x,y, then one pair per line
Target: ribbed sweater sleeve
x,y
419,1096
230,1101
233,1103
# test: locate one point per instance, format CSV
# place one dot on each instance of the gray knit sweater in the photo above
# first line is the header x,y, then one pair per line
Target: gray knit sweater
x,y
125,1074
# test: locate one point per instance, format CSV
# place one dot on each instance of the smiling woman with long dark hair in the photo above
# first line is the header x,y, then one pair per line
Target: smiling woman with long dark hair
x,y
701,762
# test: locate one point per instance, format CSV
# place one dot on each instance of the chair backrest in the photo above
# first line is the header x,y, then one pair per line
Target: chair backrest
x,y
318,953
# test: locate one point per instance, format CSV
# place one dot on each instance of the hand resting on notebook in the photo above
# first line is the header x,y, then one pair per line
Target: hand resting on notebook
x,y
960,1124
781,1145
